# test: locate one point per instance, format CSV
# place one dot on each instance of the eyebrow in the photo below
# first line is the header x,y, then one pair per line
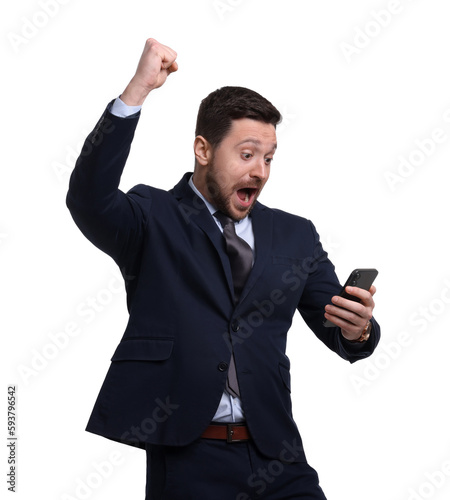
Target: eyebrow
x,y
256,142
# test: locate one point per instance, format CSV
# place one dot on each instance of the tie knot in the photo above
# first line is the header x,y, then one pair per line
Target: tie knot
x,y
223,219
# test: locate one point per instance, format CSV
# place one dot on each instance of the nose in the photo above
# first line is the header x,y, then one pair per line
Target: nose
x,y
260,170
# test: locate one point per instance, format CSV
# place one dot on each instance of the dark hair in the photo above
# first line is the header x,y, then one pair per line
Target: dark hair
x,y
219,108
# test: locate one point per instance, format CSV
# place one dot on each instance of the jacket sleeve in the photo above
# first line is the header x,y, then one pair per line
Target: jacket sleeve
x,y
322,283
112,220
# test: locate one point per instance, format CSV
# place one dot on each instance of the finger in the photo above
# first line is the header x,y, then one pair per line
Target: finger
x,y
356,316
168,56
344,324
168,50
356,307
166,63
173,68
364,295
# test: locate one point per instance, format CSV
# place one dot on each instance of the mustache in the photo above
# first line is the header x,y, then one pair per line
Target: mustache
x,y
214,187
256,184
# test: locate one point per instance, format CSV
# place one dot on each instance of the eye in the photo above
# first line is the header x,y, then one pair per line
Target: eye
x,y
246,156
268,160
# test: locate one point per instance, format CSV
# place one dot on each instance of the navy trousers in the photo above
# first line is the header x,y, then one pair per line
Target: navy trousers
x,y
211,469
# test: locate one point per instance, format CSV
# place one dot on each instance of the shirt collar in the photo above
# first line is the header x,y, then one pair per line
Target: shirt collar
x,y
210,207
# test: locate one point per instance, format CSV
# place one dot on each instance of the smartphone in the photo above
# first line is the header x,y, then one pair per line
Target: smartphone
x,y
361,278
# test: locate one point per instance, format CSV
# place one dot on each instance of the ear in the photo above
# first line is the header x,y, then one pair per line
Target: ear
x,y
203,151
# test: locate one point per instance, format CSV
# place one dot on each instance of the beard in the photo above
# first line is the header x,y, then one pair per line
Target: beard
x,y
220,196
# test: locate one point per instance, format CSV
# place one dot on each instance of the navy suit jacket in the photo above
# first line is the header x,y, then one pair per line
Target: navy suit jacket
x,y
168,372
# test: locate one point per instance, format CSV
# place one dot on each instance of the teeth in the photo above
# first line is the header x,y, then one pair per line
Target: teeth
x,y
247,197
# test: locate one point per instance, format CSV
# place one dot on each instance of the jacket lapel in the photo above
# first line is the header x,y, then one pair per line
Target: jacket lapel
x,y
194,211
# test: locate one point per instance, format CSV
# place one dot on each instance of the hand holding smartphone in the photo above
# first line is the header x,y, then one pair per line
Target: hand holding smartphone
x,y
361,278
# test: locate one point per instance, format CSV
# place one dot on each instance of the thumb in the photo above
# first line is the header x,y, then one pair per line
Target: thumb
x,y
170,66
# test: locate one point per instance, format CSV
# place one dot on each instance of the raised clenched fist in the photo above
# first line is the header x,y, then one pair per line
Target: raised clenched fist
x,y
155,65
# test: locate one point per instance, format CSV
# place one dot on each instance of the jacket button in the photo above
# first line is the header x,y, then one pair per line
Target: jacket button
x,y
235,326
222,366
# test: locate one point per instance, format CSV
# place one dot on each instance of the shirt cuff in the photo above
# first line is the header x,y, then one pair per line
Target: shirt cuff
x,y
122,110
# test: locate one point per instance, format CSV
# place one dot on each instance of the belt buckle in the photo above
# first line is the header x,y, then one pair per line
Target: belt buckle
x,y
230,432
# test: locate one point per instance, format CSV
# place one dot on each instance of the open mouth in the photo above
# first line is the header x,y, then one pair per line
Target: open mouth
x,y
246,195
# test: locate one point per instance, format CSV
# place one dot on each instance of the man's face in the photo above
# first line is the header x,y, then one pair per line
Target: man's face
x,y
239,167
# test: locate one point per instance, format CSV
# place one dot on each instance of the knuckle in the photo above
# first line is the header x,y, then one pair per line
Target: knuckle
x,y
360,309
153,44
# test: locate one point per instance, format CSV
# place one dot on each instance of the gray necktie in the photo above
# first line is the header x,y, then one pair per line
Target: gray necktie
x,y
241,261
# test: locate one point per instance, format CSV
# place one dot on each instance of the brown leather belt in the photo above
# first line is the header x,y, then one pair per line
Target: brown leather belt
x,y
231,433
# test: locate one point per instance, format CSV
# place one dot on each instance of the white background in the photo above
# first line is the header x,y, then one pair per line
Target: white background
x,y
359,88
